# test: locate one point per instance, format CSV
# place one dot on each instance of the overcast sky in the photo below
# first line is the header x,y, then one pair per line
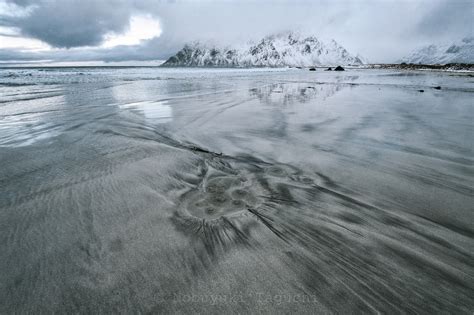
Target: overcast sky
x,y
124,30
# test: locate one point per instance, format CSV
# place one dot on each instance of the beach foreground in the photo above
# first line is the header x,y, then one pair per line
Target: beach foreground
x,y
196,190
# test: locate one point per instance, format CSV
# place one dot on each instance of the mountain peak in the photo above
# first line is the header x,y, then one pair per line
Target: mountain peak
x,y
461,51
282,49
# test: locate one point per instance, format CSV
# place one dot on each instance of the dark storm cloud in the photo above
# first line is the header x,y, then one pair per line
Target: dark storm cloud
x,y
382,30
73,23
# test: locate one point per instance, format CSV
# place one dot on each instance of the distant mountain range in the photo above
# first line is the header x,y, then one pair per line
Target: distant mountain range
x,y
280,50
458,52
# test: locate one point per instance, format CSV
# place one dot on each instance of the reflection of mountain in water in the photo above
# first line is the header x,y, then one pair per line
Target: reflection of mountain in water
x,y
289,93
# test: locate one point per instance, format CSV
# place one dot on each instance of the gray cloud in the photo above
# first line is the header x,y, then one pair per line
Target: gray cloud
x,y
157,49
447,18
73,23
24,3
382,30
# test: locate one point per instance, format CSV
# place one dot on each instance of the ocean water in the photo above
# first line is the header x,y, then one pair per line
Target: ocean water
x,y
148,190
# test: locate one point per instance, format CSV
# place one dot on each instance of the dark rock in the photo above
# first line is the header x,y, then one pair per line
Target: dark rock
x,y
329,69
312,69
339,68
437,87
421,91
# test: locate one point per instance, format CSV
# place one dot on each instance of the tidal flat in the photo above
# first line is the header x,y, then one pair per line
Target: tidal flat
x,y
151,190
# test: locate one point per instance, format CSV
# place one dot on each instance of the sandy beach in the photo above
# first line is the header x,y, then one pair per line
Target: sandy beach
x,y
156,190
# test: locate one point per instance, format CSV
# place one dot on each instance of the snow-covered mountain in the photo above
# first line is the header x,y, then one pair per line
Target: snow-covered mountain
x,y
458,52
284,49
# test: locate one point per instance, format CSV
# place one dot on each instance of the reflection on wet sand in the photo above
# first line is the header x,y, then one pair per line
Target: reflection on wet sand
x,y
158,111
266,192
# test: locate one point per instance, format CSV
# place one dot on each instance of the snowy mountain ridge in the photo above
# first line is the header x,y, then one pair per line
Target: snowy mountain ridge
x,y
279,50
458,52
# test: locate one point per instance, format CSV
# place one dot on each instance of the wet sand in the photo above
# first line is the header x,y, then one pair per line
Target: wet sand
x,y
237,191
